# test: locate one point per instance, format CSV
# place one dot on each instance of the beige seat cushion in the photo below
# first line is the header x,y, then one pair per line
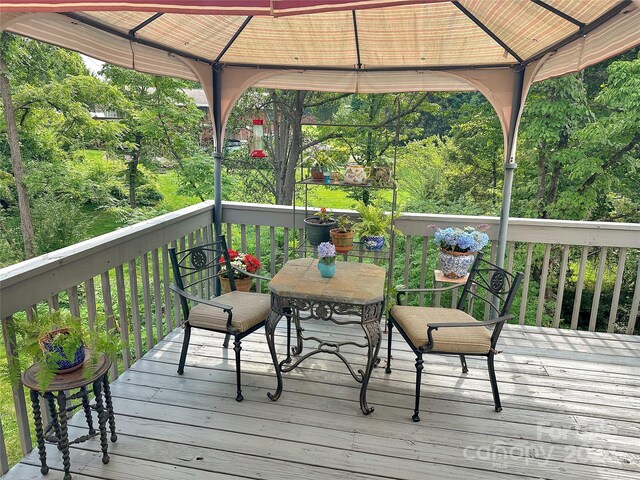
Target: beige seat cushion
x,y
249,309
414,320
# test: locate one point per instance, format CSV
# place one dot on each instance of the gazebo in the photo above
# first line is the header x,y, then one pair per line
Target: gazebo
x,y
497,48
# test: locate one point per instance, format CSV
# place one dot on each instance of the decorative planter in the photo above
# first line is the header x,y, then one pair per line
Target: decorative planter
x,y
64,364
343,241
242,284
455,264
317,174
355,174
318,232
327,270
382,175
373,242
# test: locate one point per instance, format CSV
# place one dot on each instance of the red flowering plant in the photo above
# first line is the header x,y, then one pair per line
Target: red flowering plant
x,y
241,261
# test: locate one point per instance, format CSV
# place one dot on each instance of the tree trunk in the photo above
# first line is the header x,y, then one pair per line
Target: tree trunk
x,y
542,180
26,223
132,173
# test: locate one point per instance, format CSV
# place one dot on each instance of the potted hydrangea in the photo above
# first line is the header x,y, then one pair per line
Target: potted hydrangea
x,y
242,261
457,248
327,261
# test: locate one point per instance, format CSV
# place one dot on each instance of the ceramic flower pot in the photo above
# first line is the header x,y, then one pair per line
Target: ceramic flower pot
x,y
343,241
456,264
242,284
355,174
327,270
373,242
382,175
318,232
63,363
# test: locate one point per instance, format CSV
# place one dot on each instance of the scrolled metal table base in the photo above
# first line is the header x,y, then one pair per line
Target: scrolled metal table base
x,y
300,309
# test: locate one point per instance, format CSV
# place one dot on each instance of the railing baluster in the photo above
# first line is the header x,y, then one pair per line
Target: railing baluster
x,y
177,312
258,256
123,322
579,286
54,303
19,403
286,244
525,285
243,238
146,299
90,291
602,262
157,296
4,461
423,268
561,283
107,300
633,315
272,250
407,260
166,280
622,258
512,251
208,234
74,301
543,284
229,238
136,324
490,297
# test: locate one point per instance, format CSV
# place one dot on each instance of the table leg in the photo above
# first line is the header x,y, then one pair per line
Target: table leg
x,y
297,350
37,418
112,417
87,410
270,328
102,420
53,413
374,337
63,439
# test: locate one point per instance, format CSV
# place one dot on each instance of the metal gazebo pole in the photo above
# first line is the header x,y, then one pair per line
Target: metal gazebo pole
x,y
217,155
510,165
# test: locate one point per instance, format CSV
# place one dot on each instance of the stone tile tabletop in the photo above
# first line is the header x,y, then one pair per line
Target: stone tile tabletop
x,y
354,283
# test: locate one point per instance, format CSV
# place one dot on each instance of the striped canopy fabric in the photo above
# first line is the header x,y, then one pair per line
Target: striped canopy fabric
x,y
331,34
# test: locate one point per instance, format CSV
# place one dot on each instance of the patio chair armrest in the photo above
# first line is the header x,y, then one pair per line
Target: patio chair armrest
x,y
211,303
402,291
254,275
435,326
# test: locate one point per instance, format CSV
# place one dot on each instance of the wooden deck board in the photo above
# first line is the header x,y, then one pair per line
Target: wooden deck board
x,y
570,411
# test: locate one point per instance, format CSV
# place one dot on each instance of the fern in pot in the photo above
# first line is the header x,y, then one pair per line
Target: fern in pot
x,y
374,226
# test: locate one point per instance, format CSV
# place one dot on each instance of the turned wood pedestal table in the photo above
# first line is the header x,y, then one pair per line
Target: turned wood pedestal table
x,y
56,401
299,292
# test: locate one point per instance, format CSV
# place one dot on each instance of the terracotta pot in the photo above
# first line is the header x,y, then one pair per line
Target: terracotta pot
x,y
342,241
456,264
242,284
317,174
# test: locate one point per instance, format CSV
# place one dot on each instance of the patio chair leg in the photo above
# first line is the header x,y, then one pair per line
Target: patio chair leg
x,y
494,383
237,348
389,327
419,367
463,362
225,344
185,347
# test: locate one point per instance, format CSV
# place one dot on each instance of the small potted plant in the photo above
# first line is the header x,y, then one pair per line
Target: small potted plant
x,y
322,165
457,248
342,237
318,228
242,261
327,260
60,343
382,172
374,226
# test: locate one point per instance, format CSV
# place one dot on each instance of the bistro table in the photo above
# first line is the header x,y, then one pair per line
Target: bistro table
x,y
300,293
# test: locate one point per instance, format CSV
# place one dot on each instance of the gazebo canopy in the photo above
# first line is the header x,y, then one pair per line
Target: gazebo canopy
x,y
499,48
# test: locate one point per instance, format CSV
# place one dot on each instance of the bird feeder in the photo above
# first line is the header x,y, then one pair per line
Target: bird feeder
x,y
258,139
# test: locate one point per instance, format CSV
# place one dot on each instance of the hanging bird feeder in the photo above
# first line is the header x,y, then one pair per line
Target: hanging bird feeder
x,y
258,139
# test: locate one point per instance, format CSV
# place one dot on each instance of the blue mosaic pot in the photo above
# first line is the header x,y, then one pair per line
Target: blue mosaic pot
x,y
373,242
456,264
64,364
327,270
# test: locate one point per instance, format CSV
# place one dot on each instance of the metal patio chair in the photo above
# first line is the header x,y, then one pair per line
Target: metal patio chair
x,y
237,314
452,331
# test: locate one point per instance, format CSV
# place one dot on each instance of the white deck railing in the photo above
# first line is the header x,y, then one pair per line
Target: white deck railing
x,y
125,274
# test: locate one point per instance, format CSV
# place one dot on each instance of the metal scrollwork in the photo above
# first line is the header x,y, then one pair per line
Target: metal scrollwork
x,y
198,258
497,281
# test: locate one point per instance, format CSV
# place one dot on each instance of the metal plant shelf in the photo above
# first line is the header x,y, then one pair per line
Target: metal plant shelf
x,y
342,183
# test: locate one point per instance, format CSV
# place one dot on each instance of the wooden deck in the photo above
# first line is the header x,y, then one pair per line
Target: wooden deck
x,y
571,402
